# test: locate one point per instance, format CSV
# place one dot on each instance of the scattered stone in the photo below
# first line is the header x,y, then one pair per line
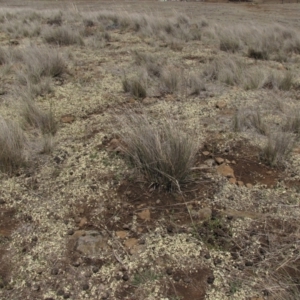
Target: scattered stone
x,y
67,118
269,172
233,162
70,232
217,261
92,243
83,222
205,153
144,215
240,183
85,286
209,162
169,271
248,263
207,255
170,229
210,279
221,104
232,180
130,243
249,185
67,295
226,171
176,278
2,201
76,264
34,239
54,271
95,269
126,226
125,277
219,160
122,234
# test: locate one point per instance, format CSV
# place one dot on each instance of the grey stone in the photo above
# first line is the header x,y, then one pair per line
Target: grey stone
x,y
92,244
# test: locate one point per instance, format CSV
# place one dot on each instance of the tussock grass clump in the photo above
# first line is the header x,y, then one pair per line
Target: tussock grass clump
x,y
244,119
195,84
257,122
235,72
35,117
18,29
258,54
278,148
63,36
230,43
163,153
42,62
150,62
55,19
227,71
3,56
170,81
134,87
12,141
293,123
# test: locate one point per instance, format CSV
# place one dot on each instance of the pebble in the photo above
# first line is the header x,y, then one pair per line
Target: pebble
x,y
125,277
169,271
219,160
211,279
95,269
85,286
70,232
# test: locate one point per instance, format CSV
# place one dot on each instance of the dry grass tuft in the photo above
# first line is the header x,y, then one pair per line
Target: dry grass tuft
x,y
230,43
170,81
12,141
162,152
195,84
249,119
42,62
278,148
32,115
63,36
3,56
293,123
134,87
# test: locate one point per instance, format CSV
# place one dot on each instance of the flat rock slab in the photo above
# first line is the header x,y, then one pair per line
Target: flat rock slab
x,y
92,244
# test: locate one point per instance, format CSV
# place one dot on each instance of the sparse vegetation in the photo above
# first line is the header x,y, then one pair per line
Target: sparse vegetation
x,y
278,148
152,174
32,115
12,141
170,81
162,152
63,36
134,87
293,123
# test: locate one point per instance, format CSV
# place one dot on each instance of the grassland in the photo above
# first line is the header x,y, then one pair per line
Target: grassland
x,y
149,150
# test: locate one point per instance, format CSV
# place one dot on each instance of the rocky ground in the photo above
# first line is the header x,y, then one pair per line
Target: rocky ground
x,y
78,222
